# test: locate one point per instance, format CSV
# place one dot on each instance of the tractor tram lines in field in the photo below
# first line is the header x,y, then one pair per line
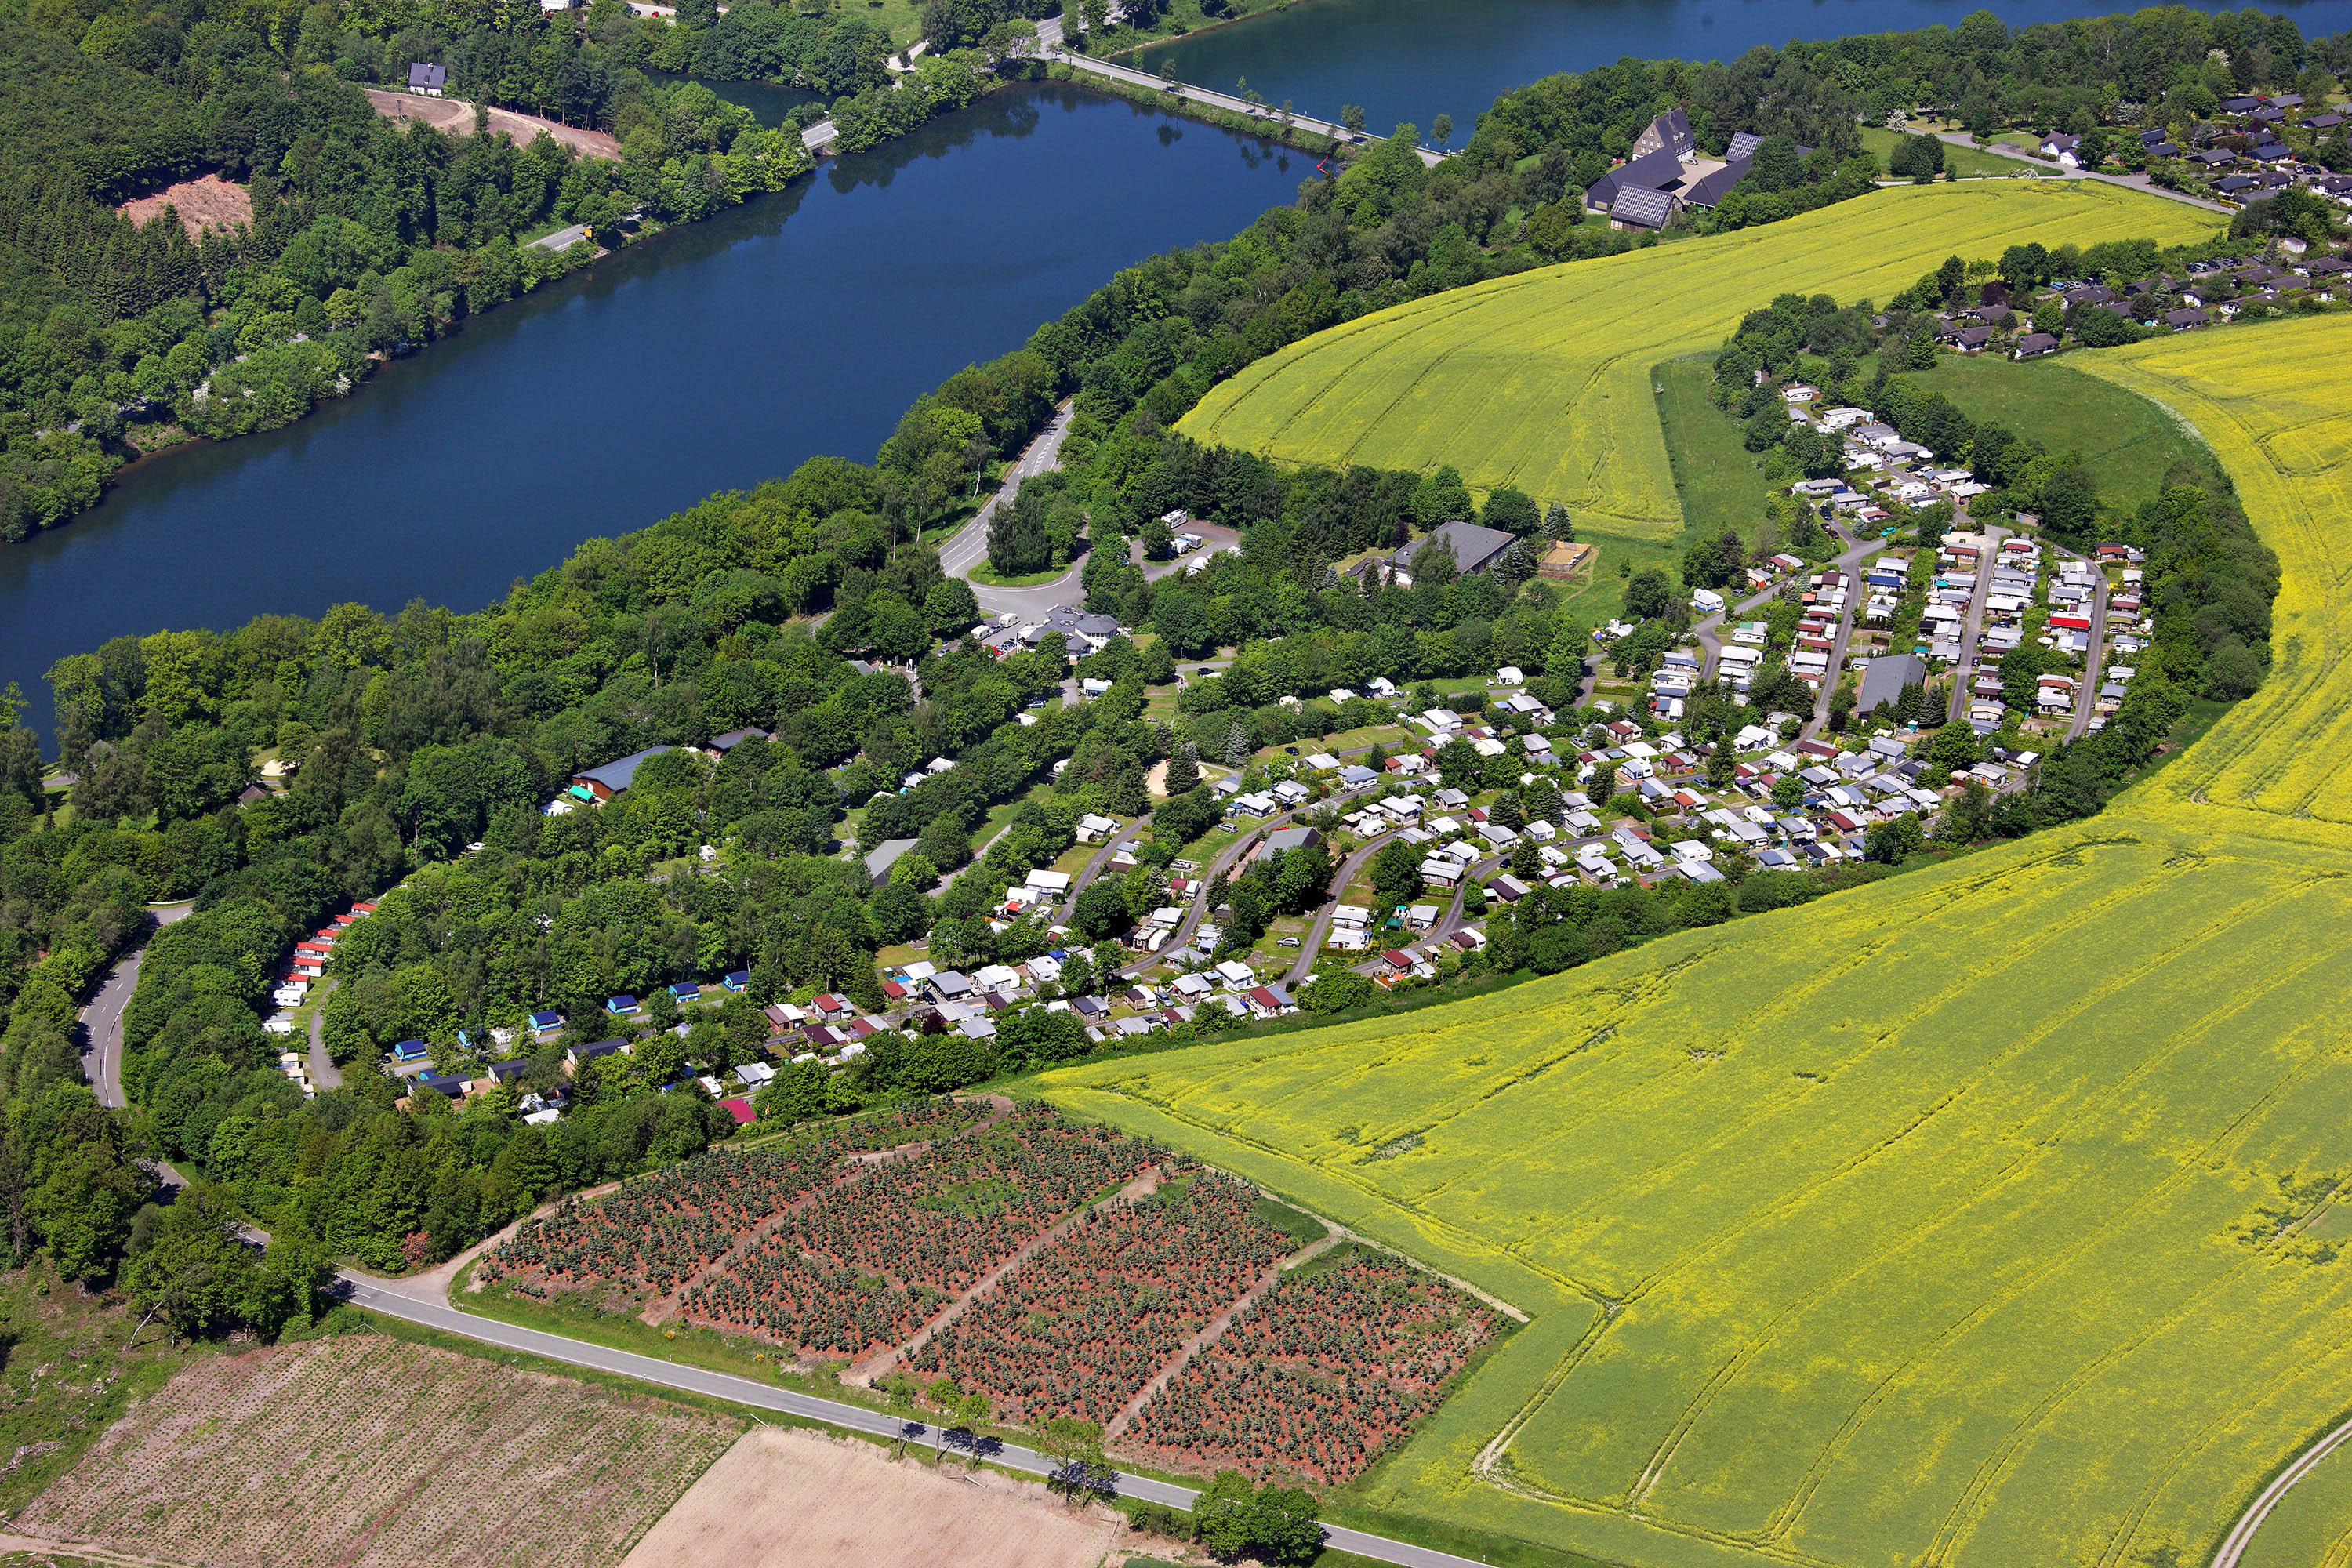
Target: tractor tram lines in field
x,y
1041,1266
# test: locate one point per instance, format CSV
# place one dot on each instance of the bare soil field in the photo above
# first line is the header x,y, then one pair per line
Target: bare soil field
x,y
206,202
371,1453
456,117
785,1498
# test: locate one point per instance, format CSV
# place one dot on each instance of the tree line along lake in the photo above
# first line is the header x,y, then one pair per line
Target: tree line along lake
x,y
726,352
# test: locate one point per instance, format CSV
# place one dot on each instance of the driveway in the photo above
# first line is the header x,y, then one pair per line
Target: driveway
x,y
2129,182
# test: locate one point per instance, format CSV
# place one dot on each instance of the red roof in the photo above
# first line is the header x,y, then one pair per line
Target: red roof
x,y
741,1110
362,908
828,1003
1397,960
893,990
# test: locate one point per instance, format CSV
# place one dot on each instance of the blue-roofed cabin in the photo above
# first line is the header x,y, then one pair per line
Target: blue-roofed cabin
x,y
686,991
411,1051
447,1083
579,1054
621,1006
739,980
546,1023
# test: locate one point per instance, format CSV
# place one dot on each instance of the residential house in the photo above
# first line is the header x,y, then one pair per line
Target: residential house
x,y
428,79
601,784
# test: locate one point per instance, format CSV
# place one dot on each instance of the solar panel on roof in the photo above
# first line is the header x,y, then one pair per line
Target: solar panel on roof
x,y
1743,145
1651,209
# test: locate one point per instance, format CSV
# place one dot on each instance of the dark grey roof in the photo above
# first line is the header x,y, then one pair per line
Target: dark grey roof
x,y
1743,145
600,1048
423,75
1709,192
1885,679
1474,547
1650,171
2035,343
734,738
1651,209
1669,133
618,774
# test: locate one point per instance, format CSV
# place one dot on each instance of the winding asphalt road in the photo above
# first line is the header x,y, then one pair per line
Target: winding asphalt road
x,y
101,1054
2128,182
385,1297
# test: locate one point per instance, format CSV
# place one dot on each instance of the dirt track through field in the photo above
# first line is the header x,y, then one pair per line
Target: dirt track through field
x,y
455,117
880,1364
1211,1333
785,1498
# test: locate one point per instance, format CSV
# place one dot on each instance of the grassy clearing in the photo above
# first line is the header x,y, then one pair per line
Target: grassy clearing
x,y
1541,380
1717,480
1967,162
66,1378
2131,446
1955,1220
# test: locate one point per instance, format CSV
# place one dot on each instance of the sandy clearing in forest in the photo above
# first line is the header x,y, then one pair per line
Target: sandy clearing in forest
x,y
456,117
787,1498
206,202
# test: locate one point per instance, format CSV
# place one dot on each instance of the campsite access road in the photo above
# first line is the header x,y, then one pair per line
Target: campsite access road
x,y
102,1020
379,1295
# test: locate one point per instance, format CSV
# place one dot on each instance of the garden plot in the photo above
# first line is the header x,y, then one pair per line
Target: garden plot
x,y
1079,1328
656,1233
867,1263
366,1451
1320,1376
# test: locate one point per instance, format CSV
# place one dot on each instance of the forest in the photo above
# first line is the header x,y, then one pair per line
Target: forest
x,y
366,239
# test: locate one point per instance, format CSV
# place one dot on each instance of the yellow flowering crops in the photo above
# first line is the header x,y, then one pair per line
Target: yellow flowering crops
x,y
1977,1217
1542,381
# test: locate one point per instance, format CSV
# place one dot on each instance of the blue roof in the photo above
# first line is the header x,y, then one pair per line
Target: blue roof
x,y
409,1050
545,1020
685,989
621,1004
738,981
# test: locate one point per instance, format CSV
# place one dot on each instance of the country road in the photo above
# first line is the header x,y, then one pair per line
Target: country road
x,y
324,1074
2242,1534
2086,701
102,1054
383,1296
1972,629
2128,182
968,547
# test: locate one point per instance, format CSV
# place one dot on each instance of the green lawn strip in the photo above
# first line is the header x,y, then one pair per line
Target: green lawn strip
x,y
1718,481
982,572
1967,162
2130,446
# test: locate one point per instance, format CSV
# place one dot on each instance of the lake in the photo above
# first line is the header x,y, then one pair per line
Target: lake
x,y
1414,59
708,358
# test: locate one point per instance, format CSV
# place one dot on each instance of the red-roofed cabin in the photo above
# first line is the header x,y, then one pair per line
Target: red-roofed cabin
x,y
741,1110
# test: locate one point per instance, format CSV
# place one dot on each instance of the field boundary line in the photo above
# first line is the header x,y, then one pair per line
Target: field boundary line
x,y
1214,1331
861,1374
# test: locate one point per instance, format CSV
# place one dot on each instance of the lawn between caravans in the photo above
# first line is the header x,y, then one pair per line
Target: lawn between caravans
x,y
1950,1221
1541,380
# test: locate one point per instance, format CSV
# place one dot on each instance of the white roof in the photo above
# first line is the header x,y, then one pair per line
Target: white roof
x,y
1050,881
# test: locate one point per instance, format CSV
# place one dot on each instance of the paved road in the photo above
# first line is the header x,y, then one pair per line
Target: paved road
x,y
969,545
1710,630
2086,701
382,1296
2129,182
324,1074
2242,1534
101,1054
1850,562
1964,672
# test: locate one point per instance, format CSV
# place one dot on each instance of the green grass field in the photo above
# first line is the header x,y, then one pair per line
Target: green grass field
x,y
1541,380
1967,162
2129,444
1948,1222
1717,480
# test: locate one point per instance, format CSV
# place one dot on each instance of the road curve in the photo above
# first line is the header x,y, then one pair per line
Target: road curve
x,y
101,1019
2242,1534
377,1297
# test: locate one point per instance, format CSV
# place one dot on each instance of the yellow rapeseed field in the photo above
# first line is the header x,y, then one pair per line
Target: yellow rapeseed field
x,y
1978,1217
1542,381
